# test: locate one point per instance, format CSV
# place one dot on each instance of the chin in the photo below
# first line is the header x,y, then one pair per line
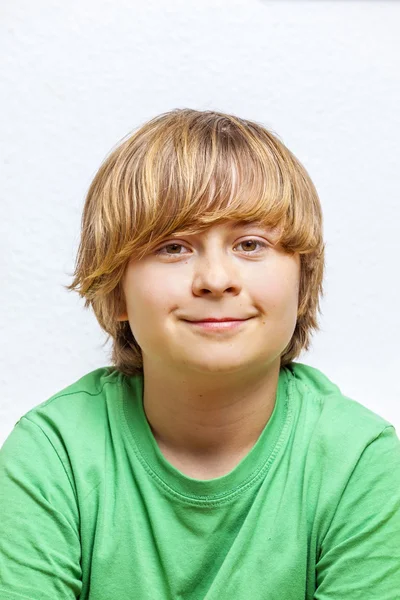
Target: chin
x,y
215,364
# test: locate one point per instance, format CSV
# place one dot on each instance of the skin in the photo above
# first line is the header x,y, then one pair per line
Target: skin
x,y
208,396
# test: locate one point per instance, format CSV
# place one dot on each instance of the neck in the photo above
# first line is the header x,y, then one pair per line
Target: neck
x,y
216,418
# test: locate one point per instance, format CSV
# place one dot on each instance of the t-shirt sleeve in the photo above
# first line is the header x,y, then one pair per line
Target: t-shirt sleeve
x,y
39,525
360,553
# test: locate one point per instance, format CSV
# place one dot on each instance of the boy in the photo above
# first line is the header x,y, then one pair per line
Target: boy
x,y
205,463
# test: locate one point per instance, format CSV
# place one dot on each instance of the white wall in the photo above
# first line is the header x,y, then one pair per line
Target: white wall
x,y
78,76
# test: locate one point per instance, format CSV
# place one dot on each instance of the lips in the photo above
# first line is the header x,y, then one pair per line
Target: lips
x,y
224,319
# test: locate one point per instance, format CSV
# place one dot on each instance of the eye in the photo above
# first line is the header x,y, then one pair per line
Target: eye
x,y
176,246
159,251
252,242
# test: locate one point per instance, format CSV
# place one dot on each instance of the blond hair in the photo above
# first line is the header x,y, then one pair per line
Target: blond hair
x,y
181,172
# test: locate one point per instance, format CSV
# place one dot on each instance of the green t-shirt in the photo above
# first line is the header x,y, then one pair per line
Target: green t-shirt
x,y
91,509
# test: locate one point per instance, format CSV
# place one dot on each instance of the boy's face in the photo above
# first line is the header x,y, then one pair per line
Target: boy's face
x,y
226,271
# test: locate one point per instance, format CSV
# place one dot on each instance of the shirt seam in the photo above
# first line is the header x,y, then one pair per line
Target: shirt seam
x,y
63,395
61,461
47,403
348,481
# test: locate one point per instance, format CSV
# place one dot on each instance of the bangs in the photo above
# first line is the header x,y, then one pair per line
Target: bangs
x,y
184,171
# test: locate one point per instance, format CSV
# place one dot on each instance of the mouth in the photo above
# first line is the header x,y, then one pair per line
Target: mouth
x,y
215,320
218,324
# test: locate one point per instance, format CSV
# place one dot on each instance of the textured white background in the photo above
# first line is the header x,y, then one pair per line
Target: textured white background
x,y
76,77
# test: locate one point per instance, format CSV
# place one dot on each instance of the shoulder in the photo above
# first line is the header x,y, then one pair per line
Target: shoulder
x,y
333,418
73,428
87,396
78,419
350,455
325,396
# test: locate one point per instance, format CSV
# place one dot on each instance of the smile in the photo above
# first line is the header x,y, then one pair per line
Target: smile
x,y
217,325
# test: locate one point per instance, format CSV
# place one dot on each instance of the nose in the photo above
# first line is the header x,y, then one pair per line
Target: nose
x,y
215,275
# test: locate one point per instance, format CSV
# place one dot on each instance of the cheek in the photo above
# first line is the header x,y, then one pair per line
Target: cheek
x,y
150,295
278,293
